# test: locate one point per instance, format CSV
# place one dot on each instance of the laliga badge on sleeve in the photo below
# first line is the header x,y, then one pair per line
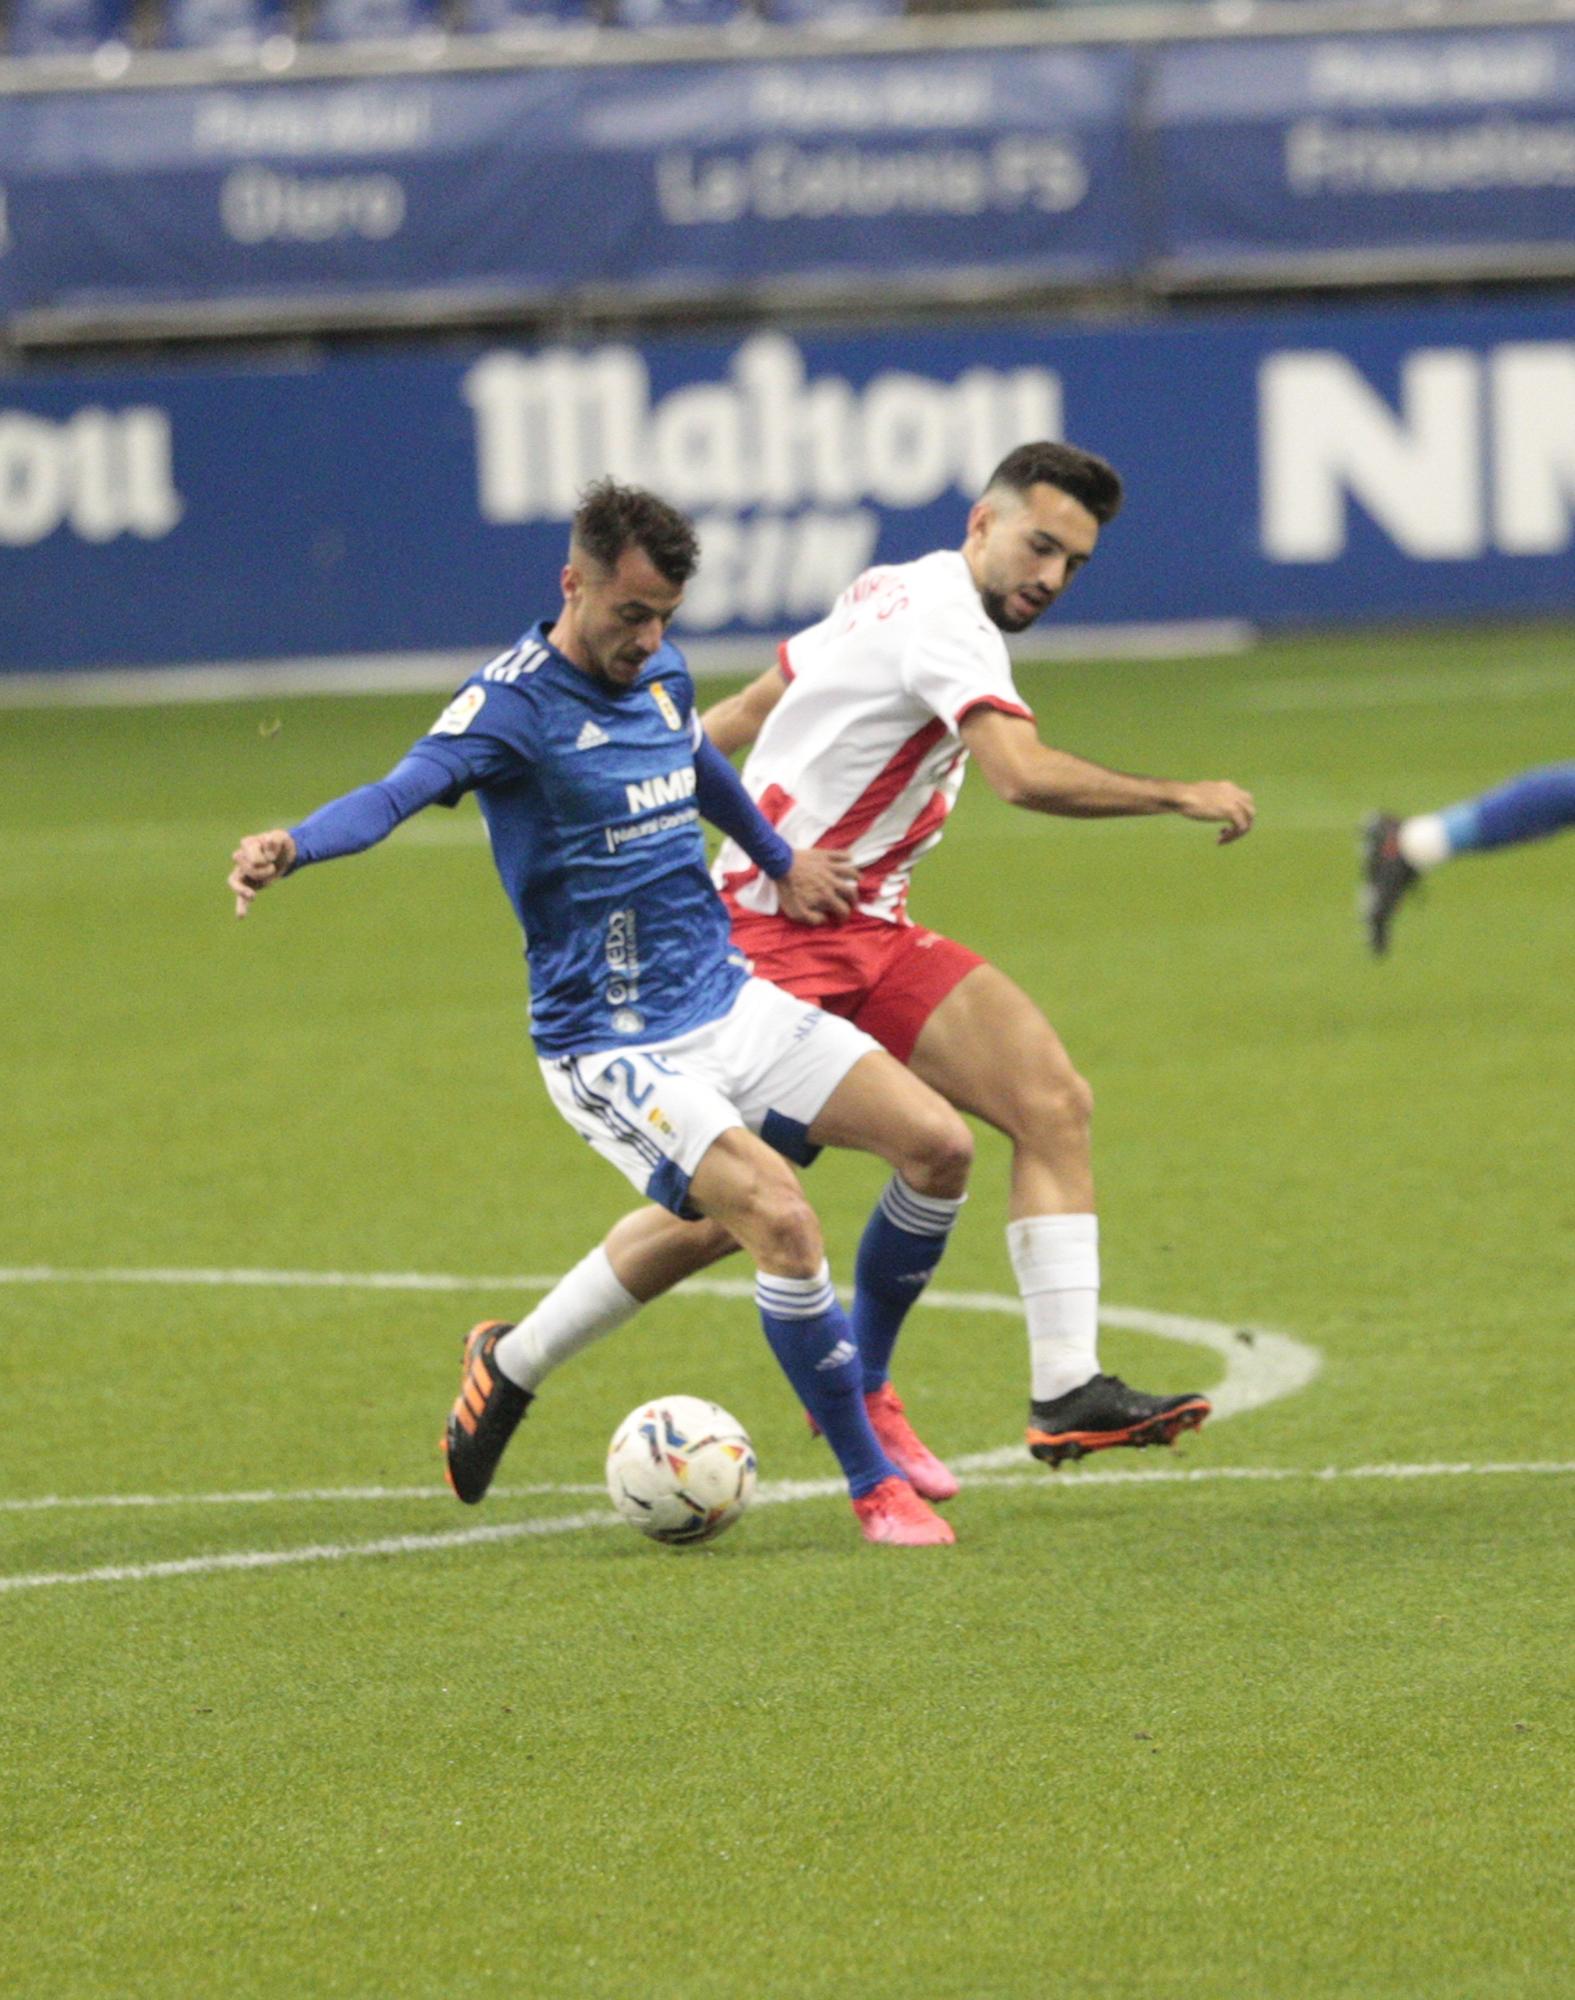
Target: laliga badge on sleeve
x,y
460,713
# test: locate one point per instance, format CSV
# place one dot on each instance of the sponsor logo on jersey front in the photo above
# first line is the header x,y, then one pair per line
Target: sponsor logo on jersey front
x,y
622,955
667,791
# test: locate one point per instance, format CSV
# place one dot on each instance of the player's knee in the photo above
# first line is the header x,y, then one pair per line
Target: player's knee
x,y
783,1231
939,1154
1054,1106
790,1242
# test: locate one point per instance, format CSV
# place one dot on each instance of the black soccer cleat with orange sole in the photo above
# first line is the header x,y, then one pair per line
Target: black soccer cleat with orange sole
x,y
485,1415
1103,1412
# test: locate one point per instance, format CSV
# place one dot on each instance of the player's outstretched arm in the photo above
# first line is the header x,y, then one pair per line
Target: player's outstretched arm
x,y
733,724
346,826
1028,773
261,859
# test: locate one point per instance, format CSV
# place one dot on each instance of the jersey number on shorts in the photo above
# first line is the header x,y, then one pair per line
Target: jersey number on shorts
x,y
623,1071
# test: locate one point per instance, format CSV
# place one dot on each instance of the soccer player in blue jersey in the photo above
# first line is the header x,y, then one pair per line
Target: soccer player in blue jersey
x,y
697,1081
1397,853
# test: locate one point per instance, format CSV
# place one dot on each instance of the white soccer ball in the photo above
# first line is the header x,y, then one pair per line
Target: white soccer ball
x,y
680,1469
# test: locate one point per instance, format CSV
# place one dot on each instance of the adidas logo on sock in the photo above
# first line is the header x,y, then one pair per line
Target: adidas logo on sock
x,y
590,737
843,1351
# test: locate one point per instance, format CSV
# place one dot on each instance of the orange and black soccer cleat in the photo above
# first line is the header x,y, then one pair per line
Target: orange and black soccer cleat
x,y
485,1415
1103,1412
893,1512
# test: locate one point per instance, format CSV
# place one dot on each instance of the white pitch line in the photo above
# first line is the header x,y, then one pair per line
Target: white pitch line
x,y
778,1493
1261,1366
388,1545
273,1496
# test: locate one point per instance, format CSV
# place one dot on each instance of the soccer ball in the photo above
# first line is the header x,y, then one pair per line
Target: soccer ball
x,y
680,1469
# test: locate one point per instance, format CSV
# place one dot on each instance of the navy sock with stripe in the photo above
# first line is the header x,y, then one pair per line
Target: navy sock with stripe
x,y
813,1343
903,1241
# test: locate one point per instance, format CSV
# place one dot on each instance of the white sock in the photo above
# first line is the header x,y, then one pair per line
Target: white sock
x,y
580,1308
1056,1258
1424,841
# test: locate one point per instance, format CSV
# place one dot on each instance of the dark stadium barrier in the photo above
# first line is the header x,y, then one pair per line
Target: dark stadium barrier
x,y
545,183
958,173
1397,155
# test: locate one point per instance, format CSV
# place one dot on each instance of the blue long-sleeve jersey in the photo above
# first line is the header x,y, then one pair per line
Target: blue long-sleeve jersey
x,y
592,798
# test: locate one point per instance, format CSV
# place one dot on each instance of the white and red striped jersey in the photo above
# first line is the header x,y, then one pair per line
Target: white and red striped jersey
x,y
863,750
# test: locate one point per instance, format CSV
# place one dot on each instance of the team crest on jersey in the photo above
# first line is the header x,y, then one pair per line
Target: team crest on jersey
x,y
667,705
460,713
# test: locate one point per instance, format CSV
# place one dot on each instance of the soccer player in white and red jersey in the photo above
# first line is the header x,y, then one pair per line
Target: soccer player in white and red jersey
x,y
861,733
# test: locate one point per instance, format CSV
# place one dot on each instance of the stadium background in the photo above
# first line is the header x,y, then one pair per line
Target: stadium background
x,y
305,351
316,320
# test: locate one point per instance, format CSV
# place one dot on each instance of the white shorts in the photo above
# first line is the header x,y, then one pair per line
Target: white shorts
x,y
769,1064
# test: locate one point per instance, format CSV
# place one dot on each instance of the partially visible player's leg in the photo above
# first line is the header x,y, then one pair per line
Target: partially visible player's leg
x,y
989,1050
815,1080
643,1255
604,1098
881,1108
1528,807
672,1120
1396,852
840,969
651,1250
755,1195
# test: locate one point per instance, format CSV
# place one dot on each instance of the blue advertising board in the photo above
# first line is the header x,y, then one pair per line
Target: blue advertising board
x,y
1057,165
681,179
1405,145
1287,468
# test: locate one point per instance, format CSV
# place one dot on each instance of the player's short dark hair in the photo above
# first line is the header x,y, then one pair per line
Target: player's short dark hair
x,y
1089,480
611,518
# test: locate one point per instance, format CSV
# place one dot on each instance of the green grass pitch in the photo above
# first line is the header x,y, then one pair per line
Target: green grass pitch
x,y
1275,1736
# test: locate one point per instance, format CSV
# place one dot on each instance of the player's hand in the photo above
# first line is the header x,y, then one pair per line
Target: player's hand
x,y
1218,799
260,859
820,887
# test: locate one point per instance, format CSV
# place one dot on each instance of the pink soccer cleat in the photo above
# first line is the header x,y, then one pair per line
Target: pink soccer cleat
x,y
902,1444
907,1451
894,1513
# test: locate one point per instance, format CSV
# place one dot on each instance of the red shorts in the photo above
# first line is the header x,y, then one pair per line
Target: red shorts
x,y
887,979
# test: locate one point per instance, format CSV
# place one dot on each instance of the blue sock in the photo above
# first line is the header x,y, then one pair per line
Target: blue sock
x,y
1528,808
903,1241
811,1338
